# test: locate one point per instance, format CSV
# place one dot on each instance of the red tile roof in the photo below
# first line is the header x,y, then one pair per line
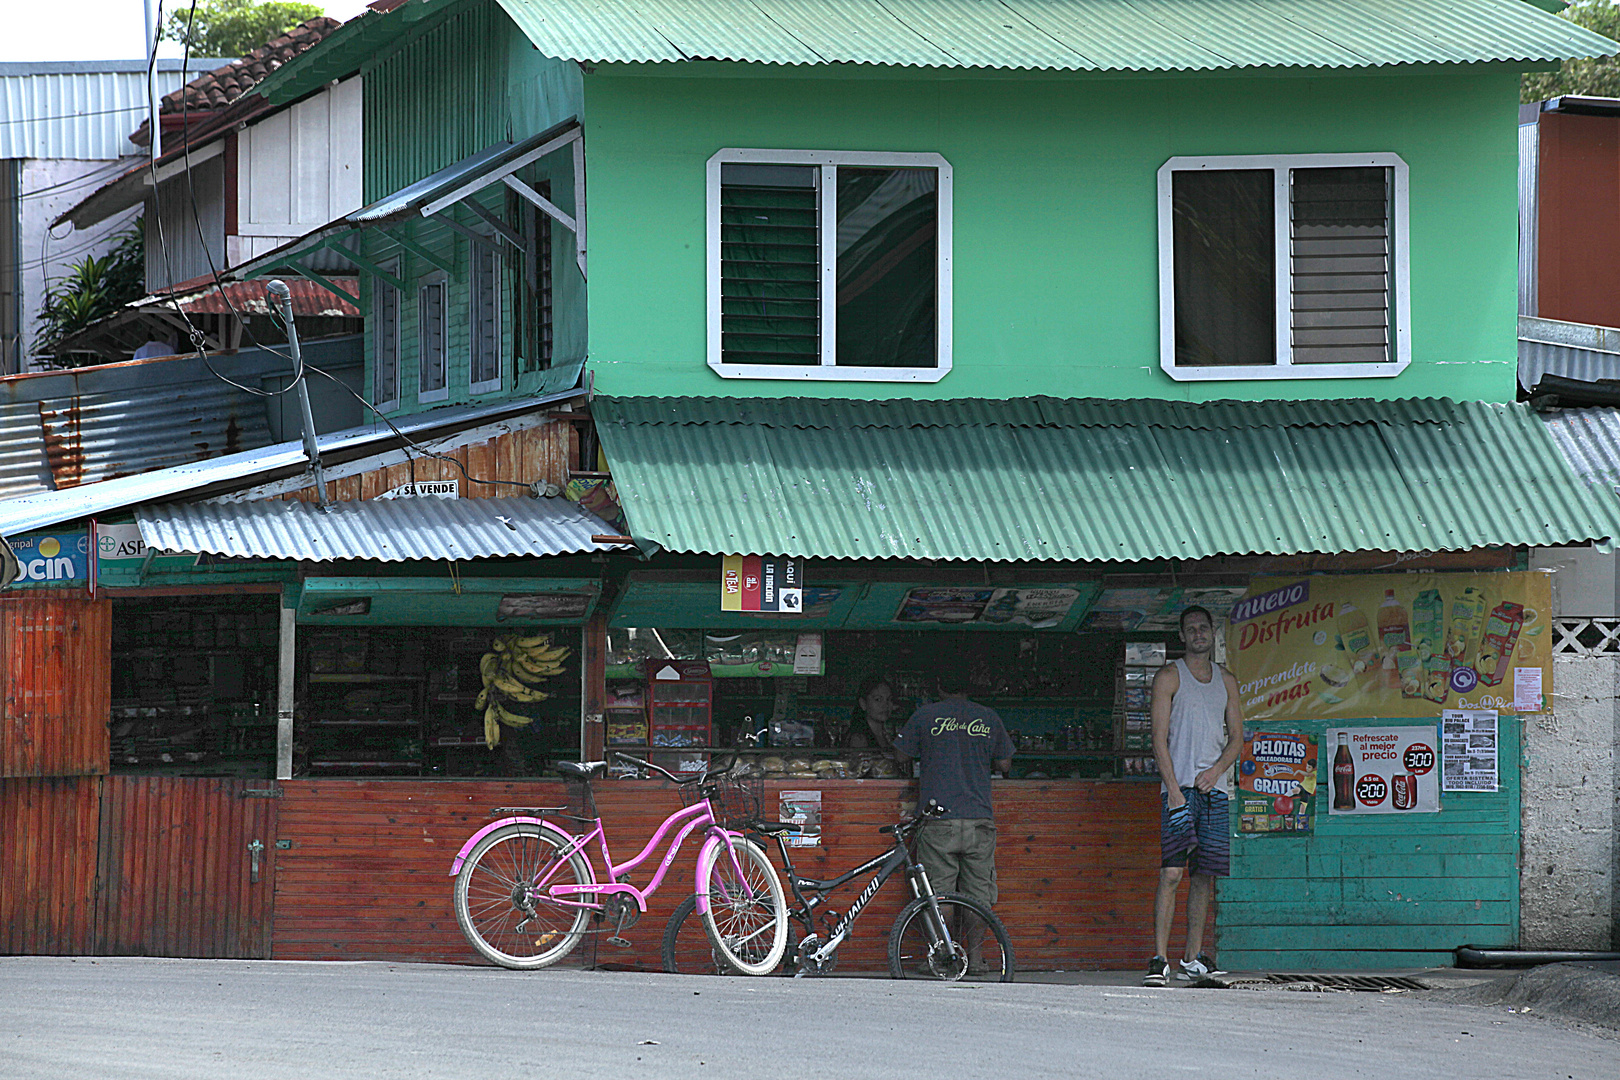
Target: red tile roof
x,y
225,85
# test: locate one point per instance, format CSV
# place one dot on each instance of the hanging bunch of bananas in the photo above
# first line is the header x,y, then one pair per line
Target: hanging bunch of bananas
x,y
512,673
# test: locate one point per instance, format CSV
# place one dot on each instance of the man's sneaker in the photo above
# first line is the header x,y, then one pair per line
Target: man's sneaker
x,y
1201,967
1156,970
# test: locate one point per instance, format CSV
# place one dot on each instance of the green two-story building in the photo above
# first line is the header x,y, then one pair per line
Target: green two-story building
x,y
1005,330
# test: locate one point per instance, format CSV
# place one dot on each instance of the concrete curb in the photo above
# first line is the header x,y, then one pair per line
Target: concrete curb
x,y
1587,994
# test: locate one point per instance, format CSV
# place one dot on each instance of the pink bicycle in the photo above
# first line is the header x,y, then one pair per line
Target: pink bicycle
x,y
526,887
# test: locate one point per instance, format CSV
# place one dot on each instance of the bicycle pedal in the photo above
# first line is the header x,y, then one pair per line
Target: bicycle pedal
x,y
619,942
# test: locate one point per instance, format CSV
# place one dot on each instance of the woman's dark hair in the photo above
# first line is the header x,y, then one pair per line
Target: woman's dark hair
x,y
867,686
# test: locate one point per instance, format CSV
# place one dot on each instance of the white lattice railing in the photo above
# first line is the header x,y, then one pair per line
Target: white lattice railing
x,y
1586,637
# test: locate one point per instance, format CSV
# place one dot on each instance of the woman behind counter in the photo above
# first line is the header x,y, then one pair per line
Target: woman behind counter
x,y
870,727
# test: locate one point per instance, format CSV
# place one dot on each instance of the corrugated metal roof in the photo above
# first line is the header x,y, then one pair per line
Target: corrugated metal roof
x,y
1112,481
1069,35
1030,412
1574,350
83,426
48,112
36,511
63,429
387,530
1590,441
249,297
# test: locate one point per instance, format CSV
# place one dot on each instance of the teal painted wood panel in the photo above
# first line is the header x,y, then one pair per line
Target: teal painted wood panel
x,y
1389,891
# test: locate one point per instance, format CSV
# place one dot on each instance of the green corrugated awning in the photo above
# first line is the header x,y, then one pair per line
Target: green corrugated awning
x,y
1090,480
1058,35
1063,35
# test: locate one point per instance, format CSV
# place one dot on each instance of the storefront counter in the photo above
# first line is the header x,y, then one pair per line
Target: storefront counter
x,y
363,868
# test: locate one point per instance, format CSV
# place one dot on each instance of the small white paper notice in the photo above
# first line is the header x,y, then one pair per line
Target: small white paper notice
x,y
807,655
1527,689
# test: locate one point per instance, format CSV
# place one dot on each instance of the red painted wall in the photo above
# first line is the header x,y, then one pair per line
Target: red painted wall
x,y
1579,245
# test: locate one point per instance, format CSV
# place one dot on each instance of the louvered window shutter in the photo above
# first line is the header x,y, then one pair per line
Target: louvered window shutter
x,y
1341,250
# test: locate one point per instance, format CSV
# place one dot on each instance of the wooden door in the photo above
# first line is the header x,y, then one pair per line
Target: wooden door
x,y
187,867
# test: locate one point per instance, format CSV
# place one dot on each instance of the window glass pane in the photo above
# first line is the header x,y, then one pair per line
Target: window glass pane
x,y
770,271
888,267
485,329
386,341
431,330
1340,254
1225,267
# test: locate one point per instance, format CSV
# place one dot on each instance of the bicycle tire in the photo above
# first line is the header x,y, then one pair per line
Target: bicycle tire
x,y
491,886
747,918
913,940
687,949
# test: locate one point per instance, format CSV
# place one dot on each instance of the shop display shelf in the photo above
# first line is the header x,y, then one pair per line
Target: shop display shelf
x,y
366,724
362,677
378,765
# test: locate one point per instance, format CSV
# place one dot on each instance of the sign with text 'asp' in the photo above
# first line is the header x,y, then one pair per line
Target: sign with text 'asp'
x,y
762,583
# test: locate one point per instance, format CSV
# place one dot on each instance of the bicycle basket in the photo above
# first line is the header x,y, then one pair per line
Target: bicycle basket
x,y
734,798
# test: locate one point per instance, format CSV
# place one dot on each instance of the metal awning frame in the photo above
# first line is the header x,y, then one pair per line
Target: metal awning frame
x,y
443,211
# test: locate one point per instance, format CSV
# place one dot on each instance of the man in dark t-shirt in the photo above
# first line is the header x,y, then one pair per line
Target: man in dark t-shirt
x,y
957,741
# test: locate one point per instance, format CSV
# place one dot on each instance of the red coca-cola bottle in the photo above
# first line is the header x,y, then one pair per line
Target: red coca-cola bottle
x,y
1344,776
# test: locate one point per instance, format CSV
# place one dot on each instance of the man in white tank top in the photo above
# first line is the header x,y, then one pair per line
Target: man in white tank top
x,y
1197,735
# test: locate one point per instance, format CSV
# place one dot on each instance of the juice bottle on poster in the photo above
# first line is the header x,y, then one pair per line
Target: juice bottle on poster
x,y
1354,632
1394,626
1437,676
1467,621
1344,775
1498,642
1428,619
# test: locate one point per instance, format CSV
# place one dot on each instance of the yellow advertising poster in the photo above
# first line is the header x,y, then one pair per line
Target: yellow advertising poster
x,y
1391,645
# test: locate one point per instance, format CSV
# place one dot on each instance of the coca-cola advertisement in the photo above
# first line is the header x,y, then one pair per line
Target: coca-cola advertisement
x,y
1383,770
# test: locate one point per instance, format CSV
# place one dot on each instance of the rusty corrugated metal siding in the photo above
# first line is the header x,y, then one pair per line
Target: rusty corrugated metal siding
x,y
55,684
48,865
175,868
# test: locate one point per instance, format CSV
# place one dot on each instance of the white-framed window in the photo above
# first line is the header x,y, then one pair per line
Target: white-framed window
x,y
385,340
484,319
433,382
829,265
1283,267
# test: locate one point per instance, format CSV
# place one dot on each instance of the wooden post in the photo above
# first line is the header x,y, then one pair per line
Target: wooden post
x,y
285,688
593,687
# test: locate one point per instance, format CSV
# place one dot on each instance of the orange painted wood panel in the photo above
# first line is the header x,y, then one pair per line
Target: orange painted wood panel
x,y
55,683
175,867
367,874
48,832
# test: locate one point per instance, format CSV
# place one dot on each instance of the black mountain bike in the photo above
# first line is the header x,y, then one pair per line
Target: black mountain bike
x,y
936,936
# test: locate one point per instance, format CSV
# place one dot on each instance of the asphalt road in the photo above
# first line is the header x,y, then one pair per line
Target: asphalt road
x,y
170,1019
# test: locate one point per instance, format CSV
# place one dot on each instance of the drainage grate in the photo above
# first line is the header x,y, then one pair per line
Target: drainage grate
x,y
1369,983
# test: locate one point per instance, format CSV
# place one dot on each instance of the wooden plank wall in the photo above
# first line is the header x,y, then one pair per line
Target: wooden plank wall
x,y
55,684
1384,891
48,865
366,876
544,452
175,873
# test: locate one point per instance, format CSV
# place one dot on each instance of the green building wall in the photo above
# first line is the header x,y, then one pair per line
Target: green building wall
x,y
1055,247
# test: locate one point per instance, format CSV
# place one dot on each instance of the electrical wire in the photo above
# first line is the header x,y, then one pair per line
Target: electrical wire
x,y
411,443
407,444
198,340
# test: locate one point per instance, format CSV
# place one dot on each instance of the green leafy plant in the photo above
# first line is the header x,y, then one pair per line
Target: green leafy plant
x,y
235,27
93,288
1594,77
